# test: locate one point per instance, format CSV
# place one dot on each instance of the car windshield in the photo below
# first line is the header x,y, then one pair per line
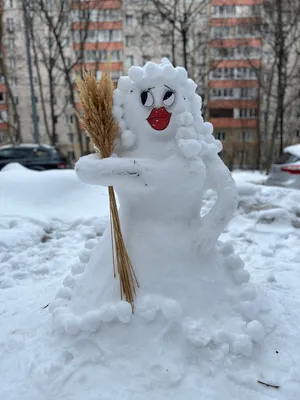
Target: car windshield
x,y
287,158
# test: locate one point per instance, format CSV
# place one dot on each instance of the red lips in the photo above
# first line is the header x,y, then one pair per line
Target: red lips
x,y
159,118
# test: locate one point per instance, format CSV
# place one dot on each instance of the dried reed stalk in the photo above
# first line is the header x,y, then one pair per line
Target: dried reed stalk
x,y
97,100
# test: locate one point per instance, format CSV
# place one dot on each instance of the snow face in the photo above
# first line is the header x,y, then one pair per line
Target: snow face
x,y
153,103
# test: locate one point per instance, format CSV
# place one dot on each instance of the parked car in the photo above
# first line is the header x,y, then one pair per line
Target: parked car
x,y
286,171
33,156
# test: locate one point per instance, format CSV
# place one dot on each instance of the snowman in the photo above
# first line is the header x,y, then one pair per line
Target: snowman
x,y
165,159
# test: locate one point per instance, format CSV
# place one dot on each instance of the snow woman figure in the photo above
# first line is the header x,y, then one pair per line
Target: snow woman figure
x,y
165,159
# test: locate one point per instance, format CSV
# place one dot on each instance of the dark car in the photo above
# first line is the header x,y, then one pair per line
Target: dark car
x,y
33,156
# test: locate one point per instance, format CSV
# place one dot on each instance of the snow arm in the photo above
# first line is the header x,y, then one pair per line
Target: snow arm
x,y
112,171
220,180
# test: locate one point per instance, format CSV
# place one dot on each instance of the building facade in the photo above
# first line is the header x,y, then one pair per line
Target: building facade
x,y
233,90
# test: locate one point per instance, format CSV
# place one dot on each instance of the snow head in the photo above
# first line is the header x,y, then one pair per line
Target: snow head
x,y
152,105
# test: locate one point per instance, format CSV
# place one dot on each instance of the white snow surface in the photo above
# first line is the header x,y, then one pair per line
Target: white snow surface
x,y
50,223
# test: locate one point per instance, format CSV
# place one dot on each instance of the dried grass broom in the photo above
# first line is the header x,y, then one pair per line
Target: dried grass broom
x,y
97,101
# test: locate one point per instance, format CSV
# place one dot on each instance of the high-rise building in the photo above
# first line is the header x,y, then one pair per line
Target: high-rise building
x,y
235,59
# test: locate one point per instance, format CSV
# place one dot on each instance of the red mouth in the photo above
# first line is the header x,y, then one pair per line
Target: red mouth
x,y
159,118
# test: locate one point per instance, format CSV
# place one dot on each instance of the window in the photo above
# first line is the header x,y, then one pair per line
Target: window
x,y
221,113
11,43
129,20
15,153
247,113
245,136
13,80
129,61
2,97
16,100
98,75
65,41
146,59
68,61
41,153
220,135
10,24
222,92
146,39
130,41
3,116
51,42
11,62
102,55
116,55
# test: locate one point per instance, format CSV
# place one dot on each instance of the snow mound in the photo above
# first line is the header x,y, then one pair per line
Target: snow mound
x,y
45,195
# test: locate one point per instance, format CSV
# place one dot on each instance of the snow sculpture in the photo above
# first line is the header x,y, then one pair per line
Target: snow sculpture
x,y
165,158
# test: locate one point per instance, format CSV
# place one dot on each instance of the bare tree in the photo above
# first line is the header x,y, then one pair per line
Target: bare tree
x,y
14,124
178,29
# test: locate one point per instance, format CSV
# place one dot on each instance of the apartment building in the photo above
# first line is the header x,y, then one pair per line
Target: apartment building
x,y
235,59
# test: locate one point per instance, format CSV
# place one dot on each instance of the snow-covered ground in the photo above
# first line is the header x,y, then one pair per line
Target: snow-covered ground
x,y
46,219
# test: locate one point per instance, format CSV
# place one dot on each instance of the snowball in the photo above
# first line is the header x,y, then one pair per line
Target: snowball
x,y
170,308
117,112
136,74
198,102
184,119
77,269
256,331
124,83
196,333
227,248
208,128
219,145
72,325
168,71
249,309
90,244
235,262
248,293
241,276
69,281
123,311
128,139
91,321
108,313
118,97
220,337
242,345
181,74
191,85
64,293
185,132
152,70
84,256
189,147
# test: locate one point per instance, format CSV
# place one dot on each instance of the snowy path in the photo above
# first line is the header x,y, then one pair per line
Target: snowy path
x,y
44,238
